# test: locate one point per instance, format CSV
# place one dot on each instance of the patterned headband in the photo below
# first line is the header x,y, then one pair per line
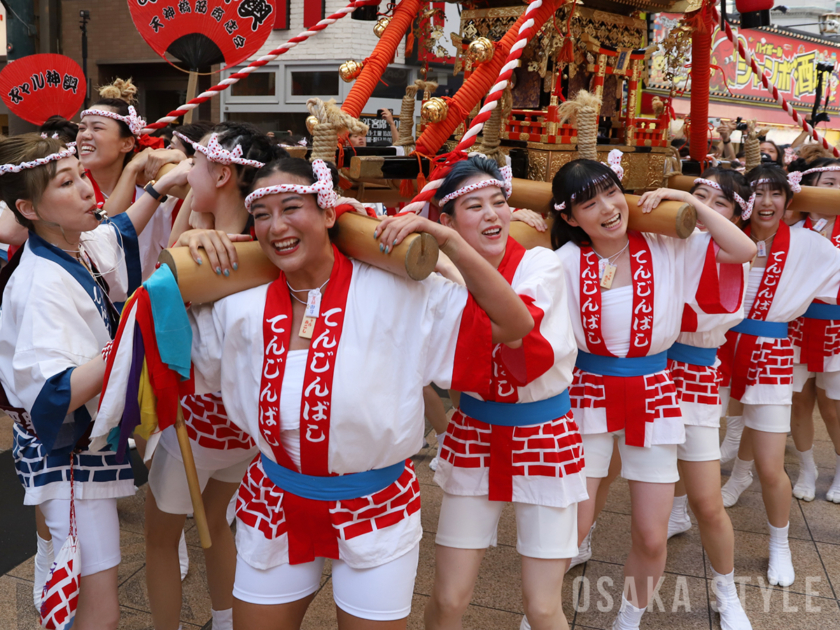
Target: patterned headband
x,y
506,186
215,152
55,136
822,169
17,168
614,162
746,206
323,188
135,123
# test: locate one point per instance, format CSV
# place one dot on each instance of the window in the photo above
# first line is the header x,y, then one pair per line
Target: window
x,y
315,83
396,80
255,84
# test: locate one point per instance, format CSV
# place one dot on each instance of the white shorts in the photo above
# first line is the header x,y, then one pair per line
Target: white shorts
x,y
544,532
98,528
829,381
767,418
652,464
701,444
168,481
380,593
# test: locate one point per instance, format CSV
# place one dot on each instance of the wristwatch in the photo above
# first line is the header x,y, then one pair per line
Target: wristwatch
x,y
150,188
727,141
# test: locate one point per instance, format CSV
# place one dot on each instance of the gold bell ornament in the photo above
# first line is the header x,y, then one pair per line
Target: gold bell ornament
x,y
381,25
480,50
434,110
350,70
311,123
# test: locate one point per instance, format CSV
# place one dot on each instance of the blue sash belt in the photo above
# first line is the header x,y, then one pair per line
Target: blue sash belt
x,y
517,414
341,488
692,354
626,366
759,328
822,311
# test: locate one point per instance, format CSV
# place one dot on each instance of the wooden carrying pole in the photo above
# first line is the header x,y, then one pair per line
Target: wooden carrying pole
x,y
414,258
192,88
811,199
670,218
199,516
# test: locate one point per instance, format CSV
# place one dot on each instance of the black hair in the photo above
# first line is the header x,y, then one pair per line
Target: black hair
x,y
812,179
779,153
195,132
255,144
772,176
731,181
120,107
578,182
67,130
463,170
297,167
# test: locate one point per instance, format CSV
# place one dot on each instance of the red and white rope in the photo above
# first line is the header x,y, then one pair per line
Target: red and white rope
x,y
490,103
766,82
257,63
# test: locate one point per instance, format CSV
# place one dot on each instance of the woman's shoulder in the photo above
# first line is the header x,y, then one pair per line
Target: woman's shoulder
x,y
567,252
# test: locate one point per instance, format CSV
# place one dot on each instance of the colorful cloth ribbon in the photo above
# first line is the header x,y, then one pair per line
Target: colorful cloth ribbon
x,y
135,123
323,188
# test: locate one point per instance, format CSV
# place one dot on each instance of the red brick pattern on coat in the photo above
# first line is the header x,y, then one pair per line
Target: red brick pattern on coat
x,y
587,392
260,505
550,449
771,363
796,331
696,383
208,424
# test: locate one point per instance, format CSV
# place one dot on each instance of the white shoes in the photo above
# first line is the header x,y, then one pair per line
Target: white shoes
x,y
780,569
833,493
727,604
740,479
679,521
584,551
732,439
183,557
806,483
44,558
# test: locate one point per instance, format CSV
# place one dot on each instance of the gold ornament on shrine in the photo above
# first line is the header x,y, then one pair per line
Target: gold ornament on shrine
x,y
381,25
480,50
311,123
434,110
350,70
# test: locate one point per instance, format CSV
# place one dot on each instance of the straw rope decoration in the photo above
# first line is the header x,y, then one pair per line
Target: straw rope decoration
x,y
490,103
766,82
257,63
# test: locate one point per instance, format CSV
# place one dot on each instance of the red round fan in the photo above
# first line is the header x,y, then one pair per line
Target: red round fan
x,y
39,86
204,32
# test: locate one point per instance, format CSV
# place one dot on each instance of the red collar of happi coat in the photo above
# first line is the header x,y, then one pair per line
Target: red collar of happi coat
x,y
835,230
776,260
316,401
641,269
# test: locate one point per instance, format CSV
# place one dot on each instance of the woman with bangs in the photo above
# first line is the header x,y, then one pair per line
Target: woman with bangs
x,y
517,443
629,290
56,325
793,268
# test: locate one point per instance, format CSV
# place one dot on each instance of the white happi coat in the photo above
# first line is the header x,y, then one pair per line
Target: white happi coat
x,y
677,268
398,336
54,318
546,460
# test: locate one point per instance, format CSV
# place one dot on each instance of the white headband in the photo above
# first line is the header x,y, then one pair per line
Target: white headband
x,y
506,186
135,123
215,152
614,162
323,188
746,206
17,168
55,136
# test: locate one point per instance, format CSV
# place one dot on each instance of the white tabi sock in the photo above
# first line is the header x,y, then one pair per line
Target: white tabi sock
x,y
222,619
740,479
732,615
679,521
183,556
629,617
780,569
584,551
44,558
833,493
806,483
732,439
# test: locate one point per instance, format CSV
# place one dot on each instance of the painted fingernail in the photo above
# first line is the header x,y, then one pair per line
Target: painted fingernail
x,y
235,266
198,260
227,273
395,242
387,249
218,271
375,234
381,247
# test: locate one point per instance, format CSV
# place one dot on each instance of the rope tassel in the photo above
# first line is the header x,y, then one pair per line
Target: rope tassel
x,y
583,112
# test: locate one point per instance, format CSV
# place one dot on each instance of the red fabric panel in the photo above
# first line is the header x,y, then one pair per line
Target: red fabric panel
x,y
281,18
313,12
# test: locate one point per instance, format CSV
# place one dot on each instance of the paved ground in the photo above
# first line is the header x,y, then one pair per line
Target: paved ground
x,y
811,603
